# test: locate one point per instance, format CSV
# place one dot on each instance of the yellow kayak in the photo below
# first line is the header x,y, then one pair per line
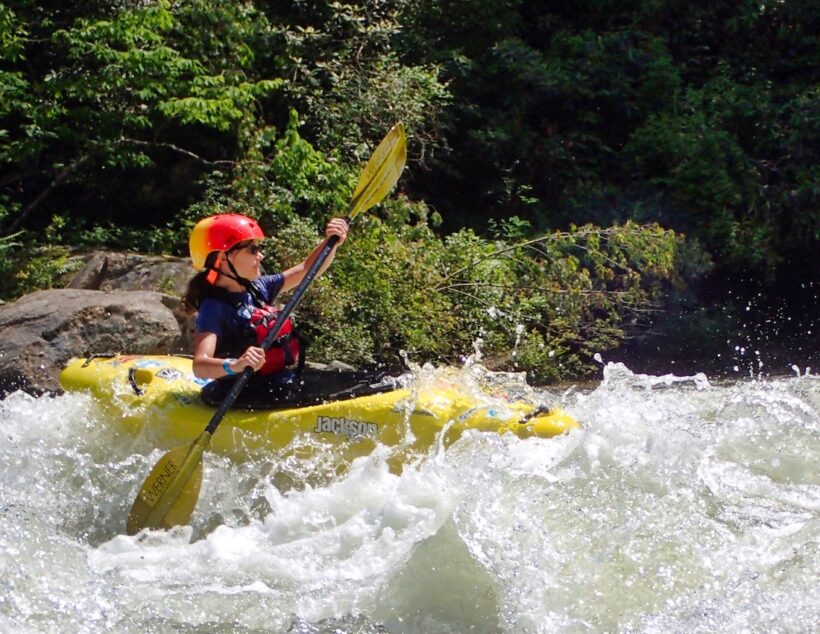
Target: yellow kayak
x,y
160,395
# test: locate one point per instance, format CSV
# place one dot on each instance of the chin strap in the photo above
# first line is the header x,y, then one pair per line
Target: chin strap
x,y
214,273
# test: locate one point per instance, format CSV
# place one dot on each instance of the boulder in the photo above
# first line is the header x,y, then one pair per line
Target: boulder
x,y
41,331
115,271
119,271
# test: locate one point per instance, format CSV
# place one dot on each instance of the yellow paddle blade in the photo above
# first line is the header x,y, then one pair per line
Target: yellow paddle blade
x,y
170,493
381,172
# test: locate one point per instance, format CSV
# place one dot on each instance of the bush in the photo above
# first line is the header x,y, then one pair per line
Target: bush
x,y
545,305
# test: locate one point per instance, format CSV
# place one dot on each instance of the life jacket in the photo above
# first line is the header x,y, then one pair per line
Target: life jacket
x,y
286,349
252,325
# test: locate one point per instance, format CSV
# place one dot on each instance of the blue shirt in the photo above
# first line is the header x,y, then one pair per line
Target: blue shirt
x,y
222,318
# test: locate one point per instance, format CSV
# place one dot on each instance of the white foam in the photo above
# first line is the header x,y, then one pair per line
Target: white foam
x,y
700,499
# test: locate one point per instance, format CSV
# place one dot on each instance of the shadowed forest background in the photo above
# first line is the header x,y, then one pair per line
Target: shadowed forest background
x,y
636,179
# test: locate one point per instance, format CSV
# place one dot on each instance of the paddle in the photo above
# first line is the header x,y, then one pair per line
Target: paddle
x,y
170,493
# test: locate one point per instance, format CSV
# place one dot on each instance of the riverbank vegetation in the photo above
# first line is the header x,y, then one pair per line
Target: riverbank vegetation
x,y
578,173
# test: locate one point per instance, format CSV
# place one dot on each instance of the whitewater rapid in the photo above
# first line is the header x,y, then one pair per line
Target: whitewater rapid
x,y
682,505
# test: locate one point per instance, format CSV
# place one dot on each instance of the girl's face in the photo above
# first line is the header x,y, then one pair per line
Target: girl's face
x,y
246,258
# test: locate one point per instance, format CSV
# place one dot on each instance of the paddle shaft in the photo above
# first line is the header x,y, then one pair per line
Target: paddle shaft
x,y
243,379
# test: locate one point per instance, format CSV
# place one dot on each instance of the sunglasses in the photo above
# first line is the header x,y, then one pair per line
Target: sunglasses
x,y
252,248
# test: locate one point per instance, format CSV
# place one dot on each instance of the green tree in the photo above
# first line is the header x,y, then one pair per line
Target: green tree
x,y
348,79
109,93
700,116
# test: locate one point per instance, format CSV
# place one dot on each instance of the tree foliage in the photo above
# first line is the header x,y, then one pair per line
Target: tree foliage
x,y
701,116
559,152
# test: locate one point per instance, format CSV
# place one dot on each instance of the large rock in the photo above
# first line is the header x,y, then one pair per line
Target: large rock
x,y
40,332
118,271
114,271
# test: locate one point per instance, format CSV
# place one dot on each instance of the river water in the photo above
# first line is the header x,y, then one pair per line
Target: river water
x,y
683,505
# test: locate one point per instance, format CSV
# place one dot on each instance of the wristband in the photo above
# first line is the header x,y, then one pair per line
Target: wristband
x,y
226,365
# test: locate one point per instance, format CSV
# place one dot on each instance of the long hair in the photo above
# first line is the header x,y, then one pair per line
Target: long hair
x,y
199,287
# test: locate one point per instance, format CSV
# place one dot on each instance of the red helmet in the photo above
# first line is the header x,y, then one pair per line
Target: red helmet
x,y
220,233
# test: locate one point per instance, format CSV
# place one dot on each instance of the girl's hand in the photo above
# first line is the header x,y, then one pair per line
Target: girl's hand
x,y
253,357
337,227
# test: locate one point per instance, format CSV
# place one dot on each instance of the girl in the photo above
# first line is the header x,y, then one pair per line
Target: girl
x,y
233,300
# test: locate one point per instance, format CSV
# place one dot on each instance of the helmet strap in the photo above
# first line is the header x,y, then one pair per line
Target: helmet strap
x,y
257,297
214,273
245,282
